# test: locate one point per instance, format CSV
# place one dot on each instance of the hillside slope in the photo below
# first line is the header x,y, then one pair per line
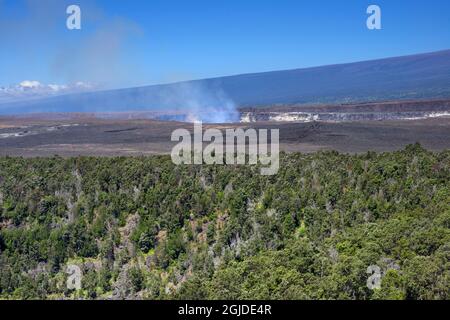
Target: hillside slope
x,y
408,77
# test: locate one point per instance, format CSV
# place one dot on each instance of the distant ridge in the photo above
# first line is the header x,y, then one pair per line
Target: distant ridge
x,y
421,76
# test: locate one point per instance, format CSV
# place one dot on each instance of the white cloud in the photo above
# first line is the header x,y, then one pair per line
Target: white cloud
x,y
30,84
32,89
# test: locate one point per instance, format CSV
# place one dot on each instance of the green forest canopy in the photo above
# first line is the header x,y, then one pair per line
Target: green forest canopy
x,y
141,227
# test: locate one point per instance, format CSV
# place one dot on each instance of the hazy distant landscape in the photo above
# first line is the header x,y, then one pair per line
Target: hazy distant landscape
x,y
379,105
422,76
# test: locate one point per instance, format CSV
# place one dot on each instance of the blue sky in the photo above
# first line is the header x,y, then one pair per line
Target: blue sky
x,y
138,42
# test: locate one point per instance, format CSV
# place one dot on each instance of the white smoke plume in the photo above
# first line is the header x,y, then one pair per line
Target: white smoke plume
x,y
208,104
94,55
